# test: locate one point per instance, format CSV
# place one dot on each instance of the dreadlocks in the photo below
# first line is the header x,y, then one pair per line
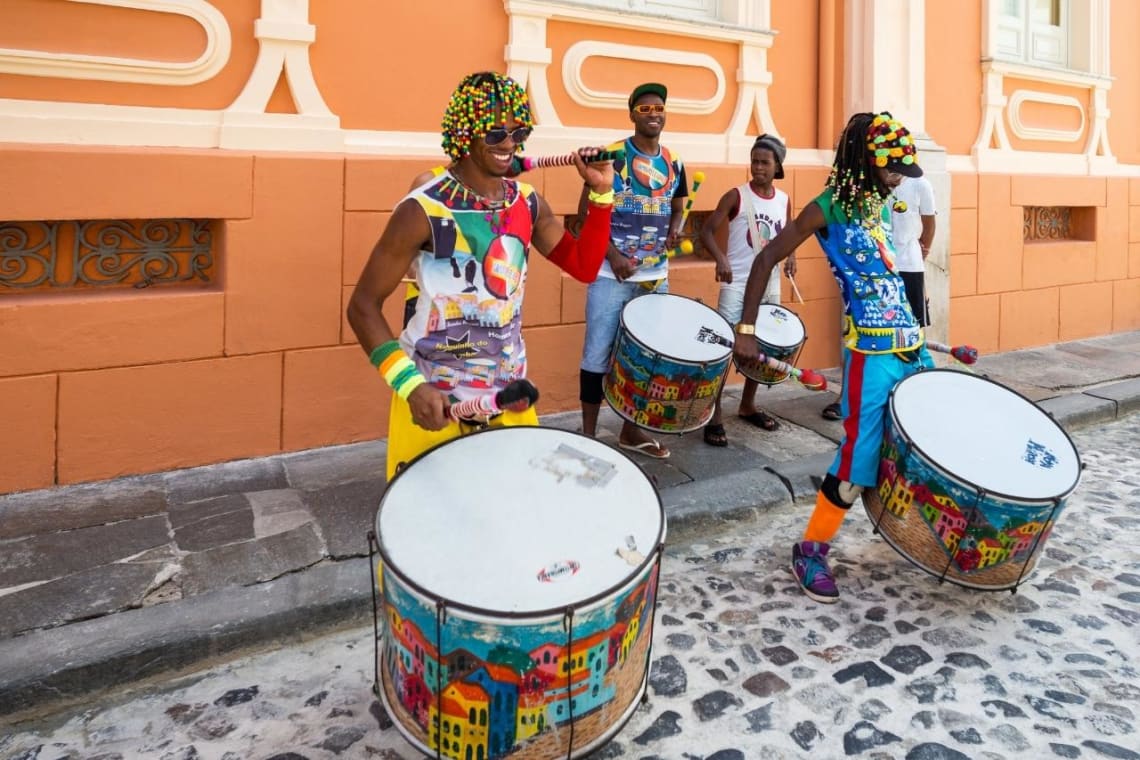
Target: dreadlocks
x,y
856,187
478,101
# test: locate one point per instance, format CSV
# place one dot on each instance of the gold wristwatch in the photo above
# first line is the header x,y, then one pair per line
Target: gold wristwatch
x,y
743,328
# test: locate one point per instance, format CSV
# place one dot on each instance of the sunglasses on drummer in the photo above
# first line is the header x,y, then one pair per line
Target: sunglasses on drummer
x,y
648,108
497,135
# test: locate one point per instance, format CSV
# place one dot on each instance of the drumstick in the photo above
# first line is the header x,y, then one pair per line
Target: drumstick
x,y
808,378
698,178
518,396
795,289
965,353
539,162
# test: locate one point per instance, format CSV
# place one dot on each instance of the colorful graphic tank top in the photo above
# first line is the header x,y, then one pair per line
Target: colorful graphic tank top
x,y
466,333
861,256
644,188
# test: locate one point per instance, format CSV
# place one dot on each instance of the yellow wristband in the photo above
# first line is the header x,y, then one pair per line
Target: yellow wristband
x,y
410,385
602,199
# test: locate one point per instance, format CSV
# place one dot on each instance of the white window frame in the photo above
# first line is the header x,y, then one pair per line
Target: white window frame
x,y
1081,42
750,15
1021,39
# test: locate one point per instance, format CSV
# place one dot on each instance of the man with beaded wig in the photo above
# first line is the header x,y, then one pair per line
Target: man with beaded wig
x,y
883,342
466,233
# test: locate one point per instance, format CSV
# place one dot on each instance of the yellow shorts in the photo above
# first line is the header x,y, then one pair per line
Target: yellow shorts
x,y
407,440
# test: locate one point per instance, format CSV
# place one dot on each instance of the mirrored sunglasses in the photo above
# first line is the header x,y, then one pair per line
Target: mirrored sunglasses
x,y
647,108
499,134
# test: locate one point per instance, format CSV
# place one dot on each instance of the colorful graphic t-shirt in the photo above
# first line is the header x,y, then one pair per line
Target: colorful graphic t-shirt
x,y
861,256
644,188
770,215
466,333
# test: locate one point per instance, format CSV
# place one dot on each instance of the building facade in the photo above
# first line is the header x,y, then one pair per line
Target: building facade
x,y
192,187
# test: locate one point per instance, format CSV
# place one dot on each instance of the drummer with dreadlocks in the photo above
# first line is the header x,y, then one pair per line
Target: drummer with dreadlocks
x,y
468,230
883,343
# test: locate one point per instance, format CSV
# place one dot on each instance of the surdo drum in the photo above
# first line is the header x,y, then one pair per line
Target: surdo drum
x,y
669,362
972,479
780,334
517,577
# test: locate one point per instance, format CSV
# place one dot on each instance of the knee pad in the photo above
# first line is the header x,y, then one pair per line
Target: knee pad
x,y
841,493
590,386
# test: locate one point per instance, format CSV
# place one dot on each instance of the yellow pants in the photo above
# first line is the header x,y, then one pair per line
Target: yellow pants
x,y
407,440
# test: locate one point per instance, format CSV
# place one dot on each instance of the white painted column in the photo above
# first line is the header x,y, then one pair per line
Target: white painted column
x,y
885,70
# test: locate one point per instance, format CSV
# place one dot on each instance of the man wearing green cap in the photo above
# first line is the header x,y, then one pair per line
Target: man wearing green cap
x,y
649,196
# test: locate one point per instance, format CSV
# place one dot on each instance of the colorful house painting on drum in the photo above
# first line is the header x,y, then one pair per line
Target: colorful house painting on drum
x,y
975,530
503,689
271,140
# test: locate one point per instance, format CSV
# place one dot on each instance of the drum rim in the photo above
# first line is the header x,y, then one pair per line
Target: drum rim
x,y
624,327
938,466
652,558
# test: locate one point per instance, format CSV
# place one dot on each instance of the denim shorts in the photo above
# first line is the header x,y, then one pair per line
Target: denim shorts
x,y
605,298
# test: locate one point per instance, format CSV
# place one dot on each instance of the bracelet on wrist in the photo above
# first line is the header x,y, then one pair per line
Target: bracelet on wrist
x,y
743,328
601,199
396,368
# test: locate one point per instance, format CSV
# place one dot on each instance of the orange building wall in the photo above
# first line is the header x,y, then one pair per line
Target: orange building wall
x,y
1007,293
953,77
99,384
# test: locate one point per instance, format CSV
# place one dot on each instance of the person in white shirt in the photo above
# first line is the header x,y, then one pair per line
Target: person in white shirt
x,y
756,211
912,231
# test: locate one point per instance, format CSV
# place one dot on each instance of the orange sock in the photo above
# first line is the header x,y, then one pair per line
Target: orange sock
x,y
825,520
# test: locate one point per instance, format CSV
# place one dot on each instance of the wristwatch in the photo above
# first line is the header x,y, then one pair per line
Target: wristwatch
x,y
743,328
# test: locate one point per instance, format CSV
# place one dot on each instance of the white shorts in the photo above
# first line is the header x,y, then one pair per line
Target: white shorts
x,y
730,303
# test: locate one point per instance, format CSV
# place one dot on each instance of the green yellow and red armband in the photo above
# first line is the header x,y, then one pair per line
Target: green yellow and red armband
x,y
396,368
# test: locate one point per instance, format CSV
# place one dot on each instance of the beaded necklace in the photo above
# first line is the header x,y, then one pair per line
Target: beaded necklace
x,y
498,210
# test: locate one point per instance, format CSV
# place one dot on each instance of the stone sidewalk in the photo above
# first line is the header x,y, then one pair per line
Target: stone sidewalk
x,y
114,582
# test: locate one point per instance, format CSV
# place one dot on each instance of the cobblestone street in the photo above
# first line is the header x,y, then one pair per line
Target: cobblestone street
x,y
745,666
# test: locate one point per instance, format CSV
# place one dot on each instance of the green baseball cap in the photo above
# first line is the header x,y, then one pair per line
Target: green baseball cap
x,y
649,88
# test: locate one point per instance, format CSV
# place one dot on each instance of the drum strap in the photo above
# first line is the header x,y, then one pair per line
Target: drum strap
x,y
652,285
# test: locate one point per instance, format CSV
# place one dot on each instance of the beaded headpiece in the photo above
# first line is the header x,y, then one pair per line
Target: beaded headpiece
x,y
481,100
892,146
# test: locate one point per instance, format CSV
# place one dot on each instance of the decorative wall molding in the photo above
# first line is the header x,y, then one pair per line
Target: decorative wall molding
x,y
1019,128
284,35
215,55
580,52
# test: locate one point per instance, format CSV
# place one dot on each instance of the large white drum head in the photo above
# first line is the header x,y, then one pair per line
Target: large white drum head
x,y
777,326
672,325
986,434
520,520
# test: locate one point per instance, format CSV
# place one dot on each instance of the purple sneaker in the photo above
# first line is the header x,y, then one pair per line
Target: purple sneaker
x,y
809,563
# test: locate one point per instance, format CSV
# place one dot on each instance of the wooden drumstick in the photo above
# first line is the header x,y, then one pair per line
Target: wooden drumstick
x,y
795,289
518,396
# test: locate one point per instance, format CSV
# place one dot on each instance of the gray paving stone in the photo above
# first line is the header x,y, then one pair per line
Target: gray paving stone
x,y
251,561
200,483
1078,410
278,511
345,514
1126,395
725,497
325,467
85,594
208,523
54,555
83,506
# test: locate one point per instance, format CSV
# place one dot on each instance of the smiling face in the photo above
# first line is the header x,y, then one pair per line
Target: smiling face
x,y
493,150
648,115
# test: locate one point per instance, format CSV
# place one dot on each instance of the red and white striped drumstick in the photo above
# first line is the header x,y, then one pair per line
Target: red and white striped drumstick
x,y
518,396
540,162
808,378
964,353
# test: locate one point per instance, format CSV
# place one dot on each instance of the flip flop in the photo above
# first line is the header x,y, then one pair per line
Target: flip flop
x,y
761,420
715,436
832,412
650,448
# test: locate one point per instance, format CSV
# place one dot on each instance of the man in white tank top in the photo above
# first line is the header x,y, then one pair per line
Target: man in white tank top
x,y
756,211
